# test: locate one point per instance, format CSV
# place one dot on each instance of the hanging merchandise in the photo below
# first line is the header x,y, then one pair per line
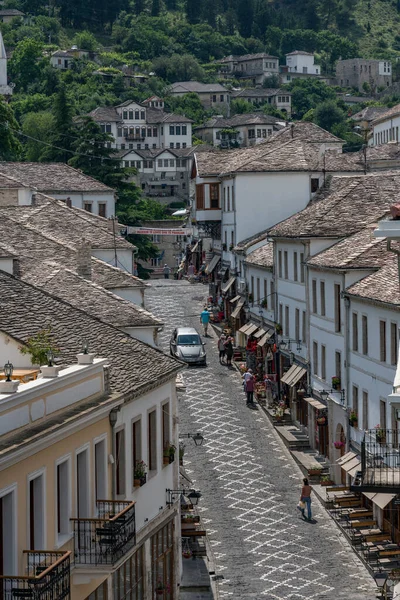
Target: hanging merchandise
x,y
186,550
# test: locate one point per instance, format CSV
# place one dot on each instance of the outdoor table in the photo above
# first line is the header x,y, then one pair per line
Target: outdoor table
x,y
23,375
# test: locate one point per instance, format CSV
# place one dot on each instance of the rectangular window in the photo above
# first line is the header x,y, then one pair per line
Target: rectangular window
x,y
149,132
233,197
303,327
200,196
166,162
166,437
100,470
265,297
280,263
314,184
382,340
252,286
82,485
142,115
295,274
120,462
125,115
338,366
62,500
364,322
152,441
315,358
178,130
171,130
338,316
258,289
229,198
102,209
281,314
382,414
36,513
393,344
159,163
184,130
214,195
136,115
155,132
322,297
285,264
355,331
301,267
365,411
297,324
314,296
87,206
287,328
355,399
128,579
323,362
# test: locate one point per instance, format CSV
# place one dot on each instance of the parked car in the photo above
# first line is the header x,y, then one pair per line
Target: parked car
x,y
187,345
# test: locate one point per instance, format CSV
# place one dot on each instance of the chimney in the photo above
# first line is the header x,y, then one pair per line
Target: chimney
x,y
68,202
112,225
84,260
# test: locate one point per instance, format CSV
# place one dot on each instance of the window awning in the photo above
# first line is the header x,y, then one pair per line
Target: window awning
x,y
244,328
237,310
265,339
354,470
315,403
260,333
383,500
251,329
345,458
350,465
229,284
212,264
294,375
235,299
369,495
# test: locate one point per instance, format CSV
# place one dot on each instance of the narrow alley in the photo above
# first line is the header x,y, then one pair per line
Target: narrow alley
x,y
250,484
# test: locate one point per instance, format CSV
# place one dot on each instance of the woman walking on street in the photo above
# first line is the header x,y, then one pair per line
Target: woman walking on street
x,y
306,498
221,348
229,350
249,383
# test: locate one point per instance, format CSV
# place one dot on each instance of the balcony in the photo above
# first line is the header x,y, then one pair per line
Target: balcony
x,y
133,137
380,462
47,578
105,539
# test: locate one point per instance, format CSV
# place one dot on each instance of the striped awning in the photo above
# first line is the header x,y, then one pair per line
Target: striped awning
x,y
350,465
383,500
195,247
235,314
244,328
228,284
251,329
259,334
235,299
315,403
293,376
212,264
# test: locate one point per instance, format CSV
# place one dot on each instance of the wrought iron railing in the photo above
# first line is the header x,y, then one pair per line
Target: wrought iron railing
x,y
105,539
47,578
380,460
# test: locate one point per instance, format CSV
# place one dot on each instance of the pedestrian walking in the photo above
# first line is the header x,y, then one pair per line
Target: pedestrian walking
x,y
166,271
249,387
229,350
205,319
246,376
306,498
221,348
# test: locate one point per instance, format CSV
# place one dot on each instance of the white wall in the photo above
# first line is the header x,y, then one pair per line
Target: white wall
x,y
133,294
9,351
124,258
7,265
143,334
95,198
386,131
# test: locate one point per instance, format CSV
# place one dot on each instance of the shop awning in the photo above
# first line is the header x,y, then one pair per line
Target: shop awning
x,y
228,284
260,333
294,375
383,500
315,403
369,495
346,457
251,329
354,470
237,310
265,339
195,247
350,465
212,264
244,328
235,299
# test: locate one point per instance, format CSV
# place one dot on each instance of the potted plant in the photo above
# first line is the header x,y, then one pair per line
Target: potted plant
x,y
353,419
264,303
181,454
187,554
169,454
336,383
326,480
280,412
321,420
231,246
315,469
338,445
39,347
380,434
162,587
224,247
278,328
139,473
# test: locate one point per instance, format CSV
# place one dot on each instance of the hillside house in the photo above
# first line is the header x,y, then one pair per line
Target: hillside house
x,y
279,99
238,131
212,95
355,72
255,67
5,88
301,65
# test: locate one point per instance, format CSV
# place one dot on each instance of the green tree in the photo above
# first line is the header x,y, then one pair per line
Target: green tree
x,y
245,13
192,11
85,40
36,125
328,115
10,146
240,107
25,63
62,136
155,8
309,93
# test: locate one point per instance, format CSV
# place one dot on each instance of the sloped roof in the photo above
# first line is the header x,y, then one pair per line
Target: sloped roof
x,y
237,120
244,57
369,113
105,113
295,52
349,206
391,112
259,93
156,115
10,183
382,286
11,12
196,86
52,177
262,257
134,366
359,251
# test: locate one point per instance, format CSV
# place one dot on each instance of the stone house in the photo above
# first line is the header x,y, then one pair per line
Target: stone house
x,y
354,72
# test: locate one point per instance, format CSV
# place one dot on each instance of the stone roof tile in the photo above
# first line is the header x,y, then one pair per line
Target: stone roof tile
x,y
382,286
262,257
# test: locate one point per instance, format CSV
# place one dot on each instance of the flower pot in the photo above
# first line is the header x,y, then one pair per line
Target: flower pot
x,y
160,592
314,471
353,423
166,460
325,483
321,421
85,359
136,482
49,372
187,554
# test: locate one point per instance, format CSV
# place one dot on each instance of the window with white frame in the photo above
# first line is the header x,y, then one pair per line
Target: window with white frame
x,y
63,496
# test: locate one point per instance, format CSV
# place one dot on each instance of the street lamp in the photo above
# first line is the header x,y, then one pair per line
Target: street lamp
x,y
381,580
196,437
288,343
8,370
50,358
325,393
193,495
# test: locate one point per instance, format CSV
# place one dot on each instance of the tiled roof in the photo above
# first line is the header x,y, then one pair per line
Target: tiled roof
x,y
110,277
95,300
334,162
391,112
10,183
358,251
259,93
152,153
52,177
237,120
156,115
196,86
351,204
369,113
11,12
243,57
382,286
299,52
134,366
262,257
390,151
62,54
105,113
67,225
250,241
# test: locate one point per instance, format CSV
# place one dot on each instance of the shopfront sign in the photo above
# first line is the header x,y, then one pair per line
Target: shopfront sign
x,y
158,231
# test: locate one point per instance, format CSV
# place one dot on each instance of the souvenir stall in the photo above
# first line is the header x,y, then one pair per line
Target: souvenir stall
x,y
294,379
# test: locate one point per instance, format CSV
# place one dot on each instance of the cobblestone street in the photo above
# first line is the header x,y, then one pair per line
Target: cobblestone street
x,y
251,484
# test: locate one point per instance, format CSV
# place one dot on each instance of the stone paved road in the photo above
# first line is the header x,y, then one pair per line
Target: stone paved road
x,y
251,484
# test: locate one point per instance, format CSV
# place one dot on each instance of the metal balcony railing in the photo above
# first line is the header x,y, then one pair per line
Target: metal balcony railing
x,y
47,578
105,539
380,461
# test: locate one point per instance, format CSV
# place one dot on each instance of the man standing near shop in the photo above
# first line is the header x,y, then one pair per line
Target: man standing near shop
x,y
204,320
166,271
